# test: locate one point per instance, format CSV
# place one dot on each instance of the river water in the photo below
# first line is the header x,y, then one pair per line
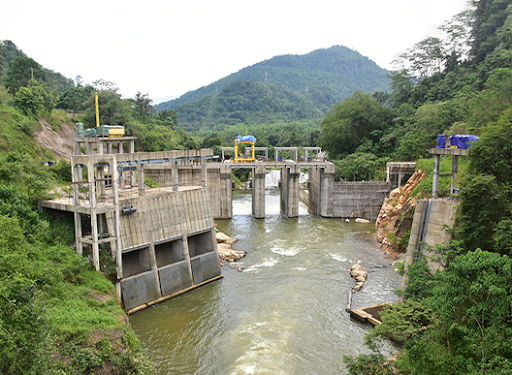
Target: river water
x,y
285,312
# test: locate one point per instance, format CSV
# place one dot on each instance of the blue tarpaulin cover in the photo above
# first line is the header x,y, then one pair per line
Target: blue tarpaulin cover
x,y
240,138
441,141
463,141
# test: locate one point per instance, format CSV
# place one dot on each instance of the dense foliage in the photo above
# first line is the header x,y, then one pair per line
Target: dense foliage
x,y
458,320
246,102
57,314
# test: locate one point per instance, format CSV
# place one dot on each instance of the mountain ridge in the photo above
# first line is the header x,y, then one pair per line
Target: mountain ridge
x,y
342,68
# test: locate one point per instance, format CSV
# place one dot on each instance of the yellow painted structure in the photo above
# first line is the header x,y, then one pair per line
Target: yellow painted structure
x,y
248,140
97,110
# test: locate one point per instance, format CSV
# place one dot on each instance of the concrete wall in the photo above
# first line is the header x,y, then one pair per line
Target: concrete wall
x,y
431,217
219,183
304,196
357,199
168,246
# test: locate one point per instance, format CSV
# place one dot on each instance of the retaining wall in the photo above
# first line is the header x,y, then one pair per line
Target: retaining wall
x,y
431,218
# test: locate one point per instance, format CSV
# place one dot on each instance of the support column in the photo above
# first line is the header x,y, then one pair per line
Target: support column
x,y
204,173
132,173
187,257
290,191
140,169
326,186
175,177
94,212
226,192
76,200
258,191
435,182
455,169
100,180
154,268
314,190
88,148
77,168
117,232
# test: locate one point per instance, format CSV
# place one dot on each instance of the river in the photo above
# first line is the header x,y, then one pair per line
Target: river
x,y
285,312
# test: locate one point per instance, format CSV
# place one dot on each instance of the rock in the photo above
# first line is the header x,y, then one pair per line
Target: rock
x,y
358,286
227,254
362,221
395,213
223,238
359,273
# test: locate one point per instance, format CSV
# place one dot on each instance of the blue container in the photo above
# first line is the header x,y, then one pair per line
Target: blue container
x,y
279,158
441,141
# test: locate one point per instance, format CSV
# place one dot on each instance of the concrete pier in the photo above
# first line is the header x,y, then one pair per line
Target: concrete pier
x,y
258,191
290,191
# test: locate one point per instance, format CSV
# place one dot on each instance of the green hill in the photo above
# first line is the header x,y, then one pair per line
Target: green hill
x,y
254,102
331,74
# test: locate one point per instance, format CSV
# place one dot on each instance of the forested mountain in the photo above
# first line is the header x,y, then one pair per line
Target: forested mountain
x,y
337,69
246,102
16,70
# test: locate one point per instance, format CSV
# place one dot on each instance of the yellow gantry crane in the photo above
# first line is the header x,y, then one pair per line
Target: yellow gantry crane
x,y
249,140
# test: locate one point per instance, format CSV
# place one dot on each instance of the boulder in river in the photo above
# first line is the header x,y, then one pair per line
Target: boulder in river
x,y
359,274
362,221
224,249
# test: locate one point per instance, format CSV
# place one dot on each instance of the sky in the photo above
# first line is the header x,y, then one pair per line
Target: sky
x,y
167,48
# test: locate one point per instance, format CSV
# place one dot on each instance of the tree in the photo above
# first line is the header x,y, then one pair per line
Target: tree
x,y
489,17
166,118
113,109
476,292
35,98
29,101
478,212
144,106
22,71
346,125
75,97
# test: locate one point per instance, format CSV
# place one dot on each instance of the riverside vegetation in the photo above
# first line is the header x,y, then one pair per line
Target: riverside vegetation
x,y
457,321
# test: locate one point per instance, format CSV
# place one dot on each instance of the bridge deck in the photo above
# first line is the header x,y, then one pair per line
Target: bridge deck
x,y
270,164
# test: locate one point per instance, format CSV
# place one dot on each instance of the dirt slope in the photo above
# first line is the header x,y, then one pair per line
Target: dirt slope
x,y
59,142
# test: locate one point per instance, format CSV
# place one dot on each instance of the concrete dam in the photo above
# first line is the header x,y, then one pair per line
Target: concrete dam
x,y
163,238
